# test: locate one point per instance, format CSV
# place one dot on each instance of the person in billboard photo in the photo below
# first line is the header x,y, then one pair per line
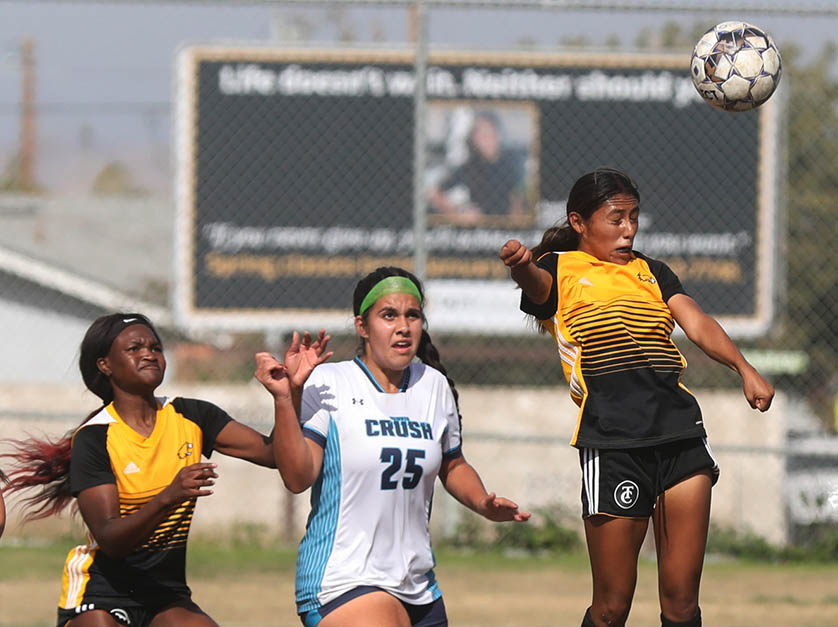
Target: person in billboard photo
x,y
134,467
370,436
487,178
642,444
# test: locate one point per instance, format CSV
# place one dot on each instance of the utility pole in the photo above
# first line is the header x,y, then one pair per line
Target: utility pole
x,y
412,24
26,172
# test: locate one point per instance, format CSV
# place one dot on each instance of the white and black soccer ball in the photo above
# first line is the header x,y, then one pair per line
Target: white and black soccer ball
x,y
735,66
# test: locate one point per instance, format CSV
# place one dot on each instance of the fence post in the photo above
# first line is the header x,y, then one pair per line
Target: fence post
x,y
420,218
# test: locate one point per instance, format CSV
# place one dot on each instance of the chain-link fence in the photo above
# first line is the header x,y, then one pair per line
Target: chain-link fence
x,y
234,175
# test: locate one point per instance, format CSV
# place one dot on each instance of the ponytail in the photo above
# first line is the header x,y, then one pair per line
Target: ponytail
x,y
45,464
556,239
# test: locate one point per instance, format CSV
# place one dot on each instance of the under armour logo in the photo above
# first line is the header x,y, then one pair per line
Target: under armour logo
x,y
646,277
122,615
357,401
185,450
625,495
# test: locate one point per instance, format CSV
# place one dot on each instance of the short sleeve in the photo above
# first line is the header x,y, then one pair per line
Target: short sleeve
x,y
210,418
452,445
90,464
315,410
668,281
547,309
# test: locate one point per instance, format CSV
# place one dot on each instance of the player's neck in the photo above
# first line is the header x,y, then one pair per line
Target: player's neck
x,y
138,412
390,381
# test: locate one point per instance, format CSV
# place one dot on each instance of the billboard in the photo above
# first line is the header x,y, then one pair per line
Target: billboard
x,y
295,178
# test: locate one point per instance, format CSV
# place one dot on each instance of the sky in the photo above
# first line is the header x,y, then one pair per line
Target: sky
x,y
105,71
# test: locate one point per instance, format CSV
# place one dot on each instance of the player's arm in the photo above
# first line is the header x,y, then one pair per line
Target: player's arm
x,y
298,458
535,282
464,484
239,440
223,434
117,535
706,333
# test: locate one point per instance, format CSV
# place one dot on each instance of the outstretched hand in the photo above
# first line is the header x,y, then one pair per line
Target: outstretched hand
x,y
301,358
303,355
500,509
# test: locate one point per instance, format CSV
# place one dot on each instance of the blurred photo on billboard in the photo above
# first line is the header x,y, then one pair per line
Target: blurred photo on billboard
x,y
482,163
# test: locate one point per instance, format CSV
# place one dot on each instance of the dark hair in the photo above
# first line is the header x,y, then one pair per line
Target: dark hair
x,y
427,352
588,194
45,463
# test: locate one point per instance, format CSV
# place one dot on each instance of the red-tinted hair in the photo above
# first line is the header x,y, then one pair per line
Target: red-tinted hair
x,y
40,462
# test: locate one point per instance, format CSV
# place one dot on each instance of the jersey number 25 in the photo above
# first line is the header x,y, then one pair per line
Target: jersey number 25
x,y
412,470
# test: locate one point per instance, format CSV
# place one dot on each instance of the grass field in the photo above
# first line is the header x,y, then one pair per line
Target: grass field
x,y
254,586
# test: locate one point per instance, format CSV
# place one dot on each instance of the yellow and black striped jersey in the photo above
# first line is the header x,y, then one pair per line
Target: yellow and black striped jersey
x,y
612,328
106,450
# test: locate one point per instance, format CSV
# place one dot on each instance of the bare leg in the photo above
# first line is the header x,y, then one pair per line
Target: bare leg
x,y
681,521
613,546
186,614
94,618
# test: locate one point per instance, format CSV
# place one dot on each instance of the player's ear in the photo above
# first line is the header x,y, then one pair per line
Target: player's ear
x,y
360,327
103,366
576,222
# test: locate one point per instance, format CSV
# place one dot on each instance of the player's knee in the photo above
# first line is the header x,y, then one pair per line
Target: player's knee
x,y
692,619
679,604
612,612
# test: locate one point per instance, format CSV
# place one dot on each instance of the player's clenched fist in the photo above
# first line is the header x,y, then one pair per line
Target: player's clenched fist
x,y
514,254
273,374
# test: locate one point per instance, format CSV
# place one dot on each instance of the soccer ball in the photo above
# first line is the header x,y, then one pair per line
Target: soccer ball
x,y
735,66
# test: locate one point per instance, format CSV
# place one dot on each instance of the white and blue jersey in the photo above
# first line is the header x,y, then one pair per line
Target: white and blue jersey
x,y
371,504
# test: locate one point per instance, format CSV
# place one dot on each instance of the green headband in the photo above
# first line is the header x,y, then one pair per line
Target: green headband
x,y
390,285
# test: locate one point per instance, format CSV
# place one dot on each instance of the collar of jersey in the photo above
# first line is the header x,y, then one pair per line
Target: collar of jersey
x,y
152,439
595,260
366,371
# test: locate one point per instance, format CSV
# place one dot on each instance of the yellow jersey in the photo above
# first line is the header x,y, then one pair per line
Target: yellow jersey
x,y
612,328
106,450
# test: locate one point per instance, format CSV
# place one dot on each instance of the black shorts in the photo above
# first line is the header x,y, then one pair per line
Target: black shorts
x,y
429,615
626,483
124,611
